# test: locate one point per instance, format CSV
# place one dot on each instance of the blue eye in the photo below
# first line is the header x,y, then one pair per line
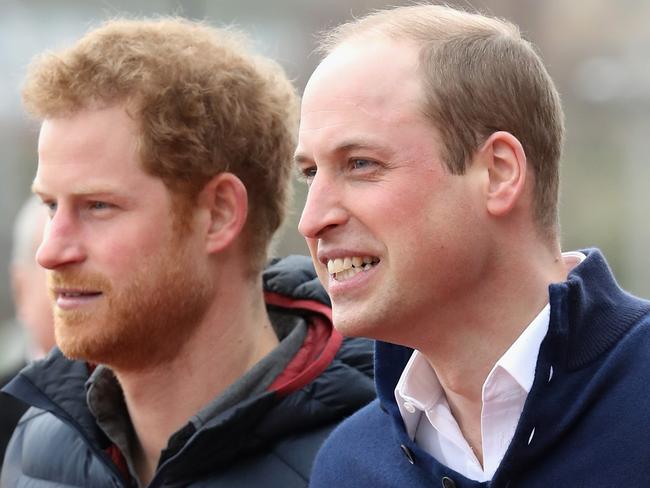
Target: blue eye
x,y
99,205
51,207
358,163
307,173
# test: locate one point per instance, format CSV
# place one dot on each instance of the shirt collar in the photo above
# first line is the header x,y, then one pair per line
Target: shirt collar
x,y
521,357
417,390
418,384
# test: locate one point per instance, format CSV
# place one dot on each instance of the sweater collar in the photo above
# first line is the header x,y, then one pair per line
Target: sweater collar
x,y
590,312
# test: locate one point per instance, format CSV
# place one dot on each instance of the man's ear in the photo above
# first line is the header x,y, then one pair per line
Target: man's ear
x,y
505,160
226,201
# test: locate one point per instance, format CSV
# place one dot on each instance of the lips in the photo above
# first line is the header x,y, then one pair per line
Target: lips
x,y
71,299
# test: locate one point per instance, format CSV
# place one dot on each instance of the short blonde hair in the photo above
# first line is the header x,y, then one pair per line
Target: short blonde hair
x,y
204,104
479,76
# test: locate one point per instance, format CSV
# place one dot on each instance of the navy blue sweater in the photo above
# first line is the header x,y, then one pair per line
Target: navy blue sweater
x,y
585,423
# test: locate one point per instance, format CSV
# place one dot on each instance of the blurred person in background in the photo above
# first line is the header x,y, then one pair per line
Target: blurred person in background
x,y
28,280
33,308
164,158
430,139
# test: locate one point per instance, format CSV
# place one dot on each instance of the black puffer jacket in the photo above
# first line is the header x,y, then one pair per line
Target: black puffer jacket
x,y
267,441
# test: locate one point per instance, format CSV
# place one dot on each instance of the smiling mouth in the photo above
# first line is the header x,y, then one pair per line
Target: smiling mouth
x,y
342,269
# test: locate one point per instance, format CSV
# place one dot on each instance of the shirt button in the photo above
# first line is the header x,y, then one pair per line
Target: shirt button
x,y
409,407
407,452
448,482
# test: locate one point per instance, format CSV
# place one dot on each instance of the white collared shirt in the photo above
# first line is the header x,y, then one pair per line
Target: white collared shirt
x,y
428,418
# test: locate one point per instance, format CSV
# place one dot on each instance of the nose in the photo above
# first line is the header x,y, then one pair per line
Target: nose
x,y
61,245
324,208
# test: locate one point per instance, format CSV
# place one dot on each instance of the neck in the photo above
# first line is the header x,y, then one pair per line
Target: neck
x,y
235,333
470,335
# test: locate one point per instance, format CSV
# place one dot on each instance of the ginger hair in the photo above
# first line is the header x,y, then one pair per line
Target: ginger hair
x,y
204,104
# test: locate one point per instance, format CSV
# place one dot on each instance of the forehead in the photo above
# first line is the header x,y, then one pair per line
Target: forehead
x,y
88,132
373,76
89,144
368,92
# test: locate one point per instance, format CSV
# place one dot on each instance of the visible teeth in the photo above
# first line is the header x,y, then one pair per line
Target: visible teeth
x,y
344,268
348,273
334,266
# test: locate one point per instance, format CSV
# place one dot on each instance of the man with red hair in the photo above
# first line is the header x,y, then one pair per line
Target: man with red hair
x,y
164,161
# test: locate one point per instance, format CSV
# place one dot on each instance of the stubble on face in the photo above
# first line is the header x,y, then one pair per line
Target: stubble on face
x,y
139,324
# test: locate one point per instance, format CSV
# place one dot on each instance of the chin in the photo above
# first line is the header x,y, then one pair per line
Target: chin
x,y
78,350
78,342
353,327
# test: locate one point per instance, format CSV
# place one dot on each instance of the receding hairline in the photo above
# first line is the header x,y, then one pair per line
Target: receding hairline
x,y
396,23
444,35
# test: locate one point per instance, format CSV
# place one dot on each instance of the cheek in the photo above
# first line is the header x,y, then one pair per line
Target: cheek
x,y
423,223
403,213
125,252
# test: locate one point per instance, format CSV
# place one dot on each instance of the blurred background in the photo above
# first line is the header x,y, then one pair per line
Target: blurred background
x,y
596,51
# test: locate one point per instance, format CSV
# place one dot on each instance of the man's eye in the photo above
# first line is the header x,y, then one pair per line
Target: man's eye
x,y
308,173
98,205
359,163
50,206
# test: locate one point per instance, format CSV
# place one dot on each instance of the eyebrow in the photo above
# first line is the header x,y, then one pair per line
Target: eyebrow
x,y
99,190
301,159
343,147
